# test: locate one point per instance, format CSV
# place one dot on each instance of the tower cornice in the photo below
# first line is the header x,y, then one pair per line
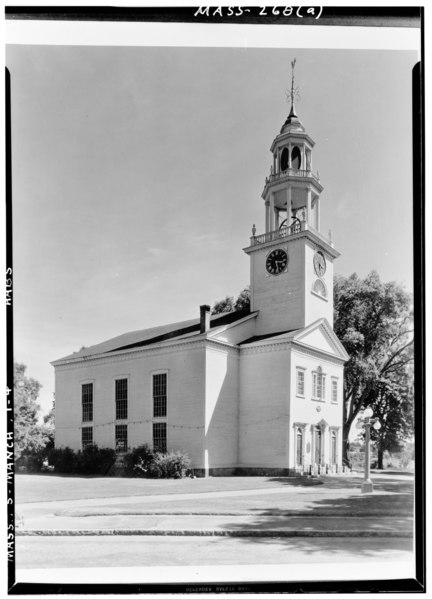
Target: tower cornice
x,y
275,238
291,136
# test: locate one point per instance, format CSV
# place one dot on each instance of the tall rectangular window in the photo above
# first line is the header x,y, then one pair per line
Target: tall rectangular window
x,y
121,399
160,436
159,395
334,391
86,436
121,438
300,382
87,402
318,384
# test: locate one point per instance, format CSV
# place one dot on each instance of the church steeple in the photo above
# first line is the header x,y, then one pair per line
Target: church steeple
x,y
292,261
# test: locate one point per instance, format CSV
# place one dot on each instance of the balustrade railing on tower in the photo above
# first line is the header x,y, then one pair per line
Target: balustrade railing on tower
x,y
292,172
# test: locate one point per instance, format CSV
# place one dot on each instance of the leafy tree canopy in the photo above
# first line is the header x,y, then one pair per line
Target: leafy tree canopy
x,y
374,322
229,304
30,436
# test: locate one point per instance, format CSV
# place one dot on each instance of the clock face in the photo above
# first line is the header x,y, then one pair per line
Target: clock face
x,y
319,262
276,262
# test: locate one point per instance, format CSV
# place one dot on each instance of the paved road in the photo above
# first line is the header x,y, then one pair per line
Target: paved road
x,y
93,552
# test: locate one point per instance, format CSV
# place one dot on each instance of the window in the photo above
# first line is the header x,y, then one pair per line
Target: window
x,y
121,440
160,436
295,158
159,395
86,436
300,382
87,402
319,288
318,384
299,447
284,160
121,399
334,391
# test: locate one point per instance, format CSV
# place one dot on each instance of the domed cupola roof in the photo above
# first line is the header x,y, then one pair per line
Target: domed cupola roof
x,y
292,122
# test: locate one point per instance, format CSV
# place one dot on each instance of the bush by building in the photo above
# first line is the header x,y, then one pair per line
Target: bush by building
x,y
139,461
174,464
91,460
143,461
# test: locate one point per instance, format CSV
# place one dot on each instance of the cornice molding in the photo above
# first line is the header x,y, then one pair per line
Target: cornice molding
x,y
316,353
131,354
143,352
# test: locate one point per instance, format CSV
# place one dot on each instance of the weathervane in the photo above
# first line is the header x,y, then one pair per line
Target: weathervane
x,y
294,93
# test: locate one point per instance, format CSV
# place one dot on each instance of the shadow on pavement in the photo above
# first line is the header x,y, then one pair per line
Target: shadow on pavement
x,y
397,501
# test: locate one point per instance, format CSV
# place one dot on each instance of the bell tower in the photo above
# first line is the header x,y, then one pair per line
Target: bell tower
x,y
292,261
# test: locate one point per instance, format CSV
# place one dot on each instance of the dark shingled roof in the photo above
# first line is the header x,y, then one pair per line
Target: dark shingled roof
x,y
268,336
135,339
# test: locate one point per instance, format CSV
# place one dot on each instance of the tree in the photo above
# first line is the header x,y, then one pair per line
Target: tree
x,y
373,320
30,436
229,304
49,425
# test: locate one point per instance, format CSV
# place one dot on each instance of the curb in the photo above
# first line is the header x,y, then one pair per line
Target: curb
x,y
213,533
286,514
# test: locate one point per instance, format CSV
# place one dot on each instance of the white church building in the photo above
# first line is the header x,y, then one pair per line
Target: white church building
x,y
250,392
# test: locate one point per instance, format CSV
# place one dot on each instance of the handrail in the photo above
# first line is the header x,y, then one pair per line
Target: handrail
x,y
292,172
280,233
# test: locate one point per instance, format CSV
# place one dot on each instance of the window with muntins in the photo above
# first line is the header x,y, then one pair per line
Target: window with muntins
x,y
121,399
334,395
121,438
160,436
318,384
159,395
86,436
300,382
87,402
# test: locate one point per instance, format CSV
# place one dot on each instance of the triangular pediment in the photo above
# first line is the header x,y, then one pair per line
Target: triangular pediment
x,y
320,336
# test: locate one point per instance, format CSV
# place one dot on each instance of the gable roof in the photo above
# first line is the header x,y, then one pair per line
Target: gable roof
x,y
331,341
144,337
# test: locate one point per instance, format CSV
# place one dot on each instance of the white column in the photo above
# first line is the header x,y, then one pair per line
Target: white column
x,y
272,214
309,206
274,162
317,213
289,155
267,217
288,194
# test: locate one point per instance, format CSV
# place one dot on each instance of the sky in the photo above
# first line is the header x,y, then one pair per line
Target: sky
x,y
138,173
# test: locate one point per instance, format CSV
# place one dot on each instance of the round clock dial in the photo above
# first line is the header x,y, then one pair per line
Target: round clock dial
x,y
276,262
319,262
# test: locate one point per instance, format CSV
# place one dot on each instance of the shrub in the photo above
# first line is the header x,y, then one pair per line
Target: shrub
x,y
64,460
92,460
30,463
139,461
174,464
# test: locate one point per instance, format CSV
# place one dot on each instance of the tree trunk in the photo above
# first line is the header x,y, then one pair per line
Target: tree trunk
x,y
345,445
380,458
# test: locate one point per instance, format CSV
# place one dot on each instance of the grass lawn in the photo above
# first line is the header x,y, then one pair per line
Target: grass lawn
x,y
49,487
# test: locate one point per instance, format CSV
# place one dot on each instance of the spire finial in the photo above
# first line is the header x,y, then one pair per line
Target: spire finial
x,y
292,111
294,90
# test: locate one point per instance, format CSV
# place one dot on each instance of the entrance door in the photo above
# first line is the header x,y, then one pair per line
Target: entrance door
x,y
317,446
